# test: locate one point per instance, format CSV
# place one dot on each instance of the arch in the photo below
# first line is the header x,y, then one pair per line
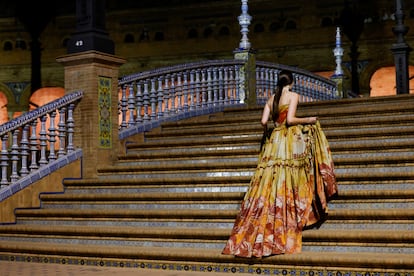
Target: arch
x,y
290,25
7,46
224,31
369,69
45,95
192,33
129,38
259,28
383,81
4,117
20,44
159,36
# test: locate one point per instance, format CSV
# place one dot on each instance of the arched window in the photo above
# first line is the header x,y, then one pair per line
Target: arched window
x,y
259,28
20,44
224,31
129,38
192,33
290,25
7,46
159,36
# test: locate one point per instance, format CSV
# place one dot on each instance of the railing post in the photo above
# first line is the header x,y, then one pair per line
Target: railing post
x,y
338,76
96,116
247,75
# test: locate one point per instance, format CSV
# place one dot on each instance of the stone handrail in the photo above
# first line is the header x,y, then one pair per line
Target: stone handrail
x,y
311,87
36,139
181,91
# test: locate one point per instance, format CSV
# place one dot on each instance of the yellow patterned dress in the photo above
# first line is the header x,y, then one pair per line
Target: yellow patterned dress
x,y
289,190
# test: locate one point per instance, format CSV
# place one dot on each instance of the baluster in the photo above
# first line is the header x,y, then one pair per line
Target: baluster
x,y
215,86
198,88
193,90
232,85
33,147
52,136
238,84
153,99
24,145
259,82
146,101
14,156
172,94
185,91
4,160
178,93
209,88
226,85
43,141
274,80
71,128
203,88
220,86
268,90
139,102
124,105
62,132
131,106
166,95
160,97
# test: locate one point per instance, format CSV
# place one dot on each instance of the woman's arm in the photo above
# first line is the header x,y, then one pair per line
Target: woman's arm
x,y
291,116
265,115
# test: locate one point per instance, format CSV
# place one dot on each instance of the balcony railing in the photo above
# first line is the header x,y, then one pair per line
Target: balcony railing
x,y
171,93
36,140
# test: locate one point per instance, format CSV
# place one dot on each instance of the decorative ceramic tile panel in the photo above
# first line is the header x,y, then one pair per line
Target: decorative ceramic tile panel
x,y
104,108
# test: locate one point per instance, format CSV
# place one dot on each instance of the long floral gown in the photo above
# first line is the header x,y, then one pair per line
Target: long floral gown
x,y
289,190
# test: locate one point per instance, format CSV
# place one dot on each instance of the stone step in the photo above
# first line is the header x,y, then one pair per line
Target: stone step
x,y
211,259
223,184
379,129
200,214
385,223
368,199
250,144
391,156
325,240
370,171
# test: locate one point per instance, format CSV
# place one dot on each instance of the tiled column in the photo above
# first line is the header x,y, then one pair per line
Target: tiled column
x,y
96,116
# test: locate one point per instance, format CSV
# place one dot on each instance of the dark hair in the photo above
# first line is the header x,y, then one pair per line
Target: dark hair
x,y
284,78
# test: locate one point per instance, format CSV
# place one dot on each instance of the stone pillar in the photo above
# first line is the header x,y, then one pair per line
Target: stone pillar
x,y
247,76
401,51
96,116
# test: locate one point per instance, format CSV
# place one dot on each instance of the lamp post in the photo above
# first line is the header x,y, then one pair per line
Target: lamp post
x,y
244,22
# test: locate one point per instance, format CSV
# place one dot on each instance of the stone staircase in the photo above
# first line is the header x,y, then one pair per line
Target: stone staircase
x,y
170,201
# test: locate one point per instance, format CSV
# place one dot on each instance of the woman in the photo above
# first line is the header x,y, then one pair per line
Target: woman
x,y
292,183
